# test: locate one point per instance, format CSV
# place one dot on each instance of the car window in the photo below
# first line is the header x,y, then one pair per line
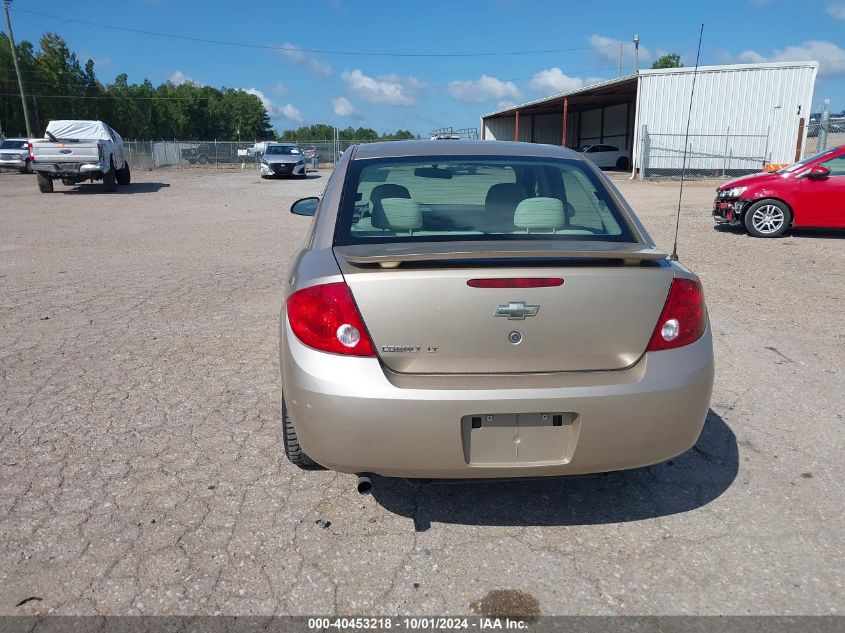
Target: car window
x,y
476,198
284,150
809,159
836,166
9,144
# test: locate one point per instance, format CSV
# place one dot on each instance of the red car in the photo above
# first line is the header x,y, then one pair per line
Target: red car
x,y
808,193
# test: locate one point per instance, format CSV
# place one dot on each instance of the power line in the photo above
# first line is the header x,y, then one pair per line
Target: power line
x,y
203,40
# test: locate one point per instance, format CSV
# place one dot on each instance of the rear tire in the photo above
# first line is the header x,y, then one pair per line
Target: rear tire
x,y
122,175
26,169
293,450
110,180
767,218
45,184
622,163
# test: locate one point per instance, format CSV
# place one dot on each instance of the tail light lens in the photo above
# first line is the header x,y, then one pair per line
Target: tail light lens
x,y
31,155
325,317
516,282
683,319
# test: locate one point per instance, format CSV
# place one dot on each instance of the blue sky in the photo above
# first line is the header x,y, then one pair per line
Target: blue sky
x,y
387,92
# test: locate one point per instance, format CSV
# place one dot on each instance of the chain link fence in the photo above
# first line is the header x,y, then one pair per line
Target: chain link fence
x,y
219,154
717,154
824,135
225,154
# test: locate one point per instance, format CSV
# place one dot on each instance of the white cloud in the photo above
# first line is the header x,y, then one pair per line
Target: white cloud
x,y
831,57
484,89
554,81
389,89
268,104
280,90
607,49
288,111
306,60
343,107
178,78
836,10
410,82
291,113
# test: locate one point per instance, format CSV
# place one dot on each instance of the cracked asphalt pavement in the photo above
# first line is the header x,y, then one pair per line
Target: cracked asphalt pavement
x,y
141,469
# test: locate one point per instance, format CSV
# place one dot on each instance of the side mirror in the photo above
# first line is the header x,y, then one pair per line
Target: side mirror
x,y
819,172
305,206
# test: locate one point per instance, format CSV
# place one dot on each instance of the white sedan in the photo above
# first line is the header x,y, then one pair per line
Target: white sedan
x,y
606,156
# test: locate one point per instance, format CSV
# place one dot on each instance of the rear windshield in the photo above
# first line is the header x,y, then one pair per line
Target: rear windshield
x,y
476,198
9,144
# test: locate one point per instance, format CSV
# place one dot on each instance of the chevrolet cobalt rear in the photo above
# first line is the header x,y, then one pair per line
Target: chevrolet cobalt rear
x,y
486,309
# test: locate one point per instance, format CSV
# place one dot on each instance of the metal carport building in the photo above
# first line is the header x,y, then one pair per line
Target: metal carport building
x,y
743,116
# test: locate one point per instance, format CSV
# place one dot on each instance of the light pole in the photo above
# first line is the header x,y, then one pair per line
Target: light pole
x,y
636,52
6,4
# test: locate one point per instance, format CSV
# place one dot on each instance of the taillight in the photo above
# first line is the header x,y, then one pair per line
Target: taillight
x,y
515,282
325,317
31,155
683,319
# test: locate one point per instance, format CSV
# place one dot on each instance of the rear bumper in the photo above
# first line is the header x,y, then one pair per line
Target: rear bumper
x,y
12,164
71,168
352,417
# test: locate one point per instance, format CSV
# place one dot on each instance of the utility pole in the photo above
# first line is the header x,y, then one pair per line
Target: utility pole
x,y
636,52
6,4
824,124
619,68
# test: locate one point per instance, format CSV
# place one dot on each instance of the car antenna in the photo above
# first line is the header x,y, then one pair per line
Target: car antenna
x,y
674,256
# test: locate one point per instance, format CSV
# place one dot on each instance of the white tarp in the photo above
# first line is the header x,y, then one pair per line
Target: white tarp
x,y
82,130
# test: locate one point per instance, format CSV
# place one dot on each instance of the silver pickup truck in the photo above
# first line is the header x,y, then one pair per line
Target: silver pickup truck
x,y
76,151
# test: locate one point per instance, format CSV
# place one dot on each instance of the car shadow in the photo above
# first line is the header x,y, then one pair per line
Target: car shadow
x,y
689,481
815,233
828,234
135,187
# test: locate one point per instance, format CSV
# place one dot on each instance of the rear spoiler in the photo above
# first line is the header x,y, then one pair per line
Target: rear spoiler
x,y
391,255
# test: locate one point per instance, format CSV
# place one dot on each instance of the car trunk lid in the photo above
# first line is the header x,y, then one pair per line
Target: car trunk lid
x,y
424,314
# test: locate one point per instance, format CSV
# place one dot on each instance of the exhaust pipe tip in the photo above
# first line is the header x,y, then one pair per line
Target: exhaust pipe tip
x,y
365,484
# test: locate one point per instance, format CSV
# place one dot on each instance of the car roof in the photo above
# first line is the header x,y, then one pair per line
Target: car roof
x,y
461,148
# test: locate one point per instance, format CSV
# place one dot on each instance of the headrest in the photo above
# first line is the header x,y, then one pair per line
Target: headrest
x,y
539,213
379,193
402,214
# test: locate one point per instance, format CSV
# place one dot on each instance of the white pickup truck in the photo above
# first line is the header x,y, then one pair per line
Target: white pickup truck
x,y
76,151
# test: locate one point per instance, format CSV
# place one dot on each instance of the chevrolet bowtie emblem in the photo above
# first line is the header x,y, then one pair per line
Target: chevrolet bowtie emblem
x,y
516,310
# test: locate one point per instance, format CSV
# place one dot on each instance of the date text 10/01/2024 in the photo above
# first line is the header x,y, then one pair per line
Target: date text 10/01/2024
x,y
416,624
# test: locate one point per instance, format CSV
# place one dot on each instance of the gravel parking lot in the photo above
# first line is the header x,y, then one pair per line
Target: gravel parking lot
x,y
141,469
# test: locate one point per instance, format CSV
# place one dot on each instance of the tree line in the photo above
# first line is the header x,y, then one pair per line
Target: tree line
x,y
325,132
58,85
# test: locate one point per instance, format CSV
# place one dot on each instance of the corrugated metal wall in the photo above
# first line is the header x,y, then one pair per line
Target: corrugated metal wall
x,y
759,107
499,129
542,128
